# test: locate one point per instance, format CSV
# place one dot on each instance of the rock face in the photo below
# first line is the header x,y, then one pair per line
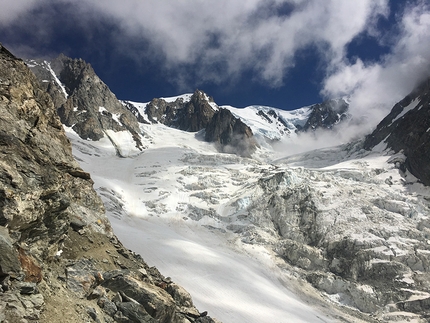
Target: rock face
x,y
232,135
84,102
407,129
58,255
193,115
325,115
199,112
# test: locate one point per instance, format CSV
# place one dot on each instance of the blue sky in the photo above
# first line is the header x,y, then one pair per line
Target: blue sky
x,y
285,54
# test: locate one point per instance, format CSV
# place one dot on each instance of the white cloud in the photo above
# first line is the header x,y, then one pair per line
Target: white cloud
x,y
230,35
240,35
11,9
375,87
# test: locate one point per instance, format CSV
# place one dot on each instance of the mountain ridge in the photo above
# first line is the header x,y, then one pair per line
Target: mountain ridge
x,y
189,112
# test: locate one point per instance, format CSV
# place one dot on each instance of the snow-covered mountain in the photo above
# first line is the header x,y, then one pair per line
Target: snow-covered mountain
x,y
333,235
87,105
267,123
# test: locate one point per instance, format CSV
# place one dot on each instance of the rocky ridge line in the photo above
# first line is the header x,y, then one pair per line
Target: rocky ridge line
x,y
326,115
200,112
84,102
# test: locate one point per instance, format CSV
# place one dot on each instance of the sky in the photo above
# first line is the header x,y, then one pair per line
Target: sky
x,y
285,54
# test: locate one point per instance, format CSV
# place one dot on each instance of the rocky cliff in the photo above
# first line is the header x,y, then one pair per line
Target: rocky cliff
x,y
230,133
191,115
59,260
407,129
84,102
199,112
325,115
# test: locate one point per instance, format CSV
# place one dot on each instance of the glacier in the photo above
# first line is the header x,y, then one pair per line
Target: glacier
x,y
301,238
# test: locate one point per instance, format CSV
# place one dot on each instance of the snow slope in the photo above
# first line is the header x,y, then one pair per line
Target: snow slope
x,y
145,197
207,220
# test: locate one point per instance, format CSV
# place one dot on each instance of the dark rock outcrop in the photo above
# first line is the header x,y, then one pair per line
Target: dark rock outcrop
x,y
192,115
325,115
407,128
57,249
197,113
272,116
83,101
230,133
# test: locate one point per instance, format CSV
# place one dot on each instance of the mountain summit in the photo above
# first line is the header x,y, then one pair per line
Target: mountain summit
x,y
85,103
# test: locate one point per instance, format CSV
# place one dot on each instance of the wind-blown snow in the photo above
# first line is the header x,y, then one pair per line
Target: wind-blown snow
x,y
232,286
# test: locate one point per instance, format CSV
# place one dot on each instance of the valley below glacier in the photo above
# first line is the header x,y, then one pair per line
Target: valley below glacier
x,y
333,235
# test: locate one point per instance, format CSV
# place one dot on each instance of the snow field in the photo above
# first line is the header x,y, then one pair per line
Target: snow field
x,y
229,284
202,218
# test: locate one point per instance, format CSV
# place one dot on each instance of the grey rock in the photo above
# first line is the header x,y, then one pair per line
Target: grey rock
x,y
326,115
117,298
93,314
271,116
108,306
27,288
143,272
41,182
9,262
135,313
89,107
81,277
37,300
53,216
205,319
157,302
192,116
230,133
180,295
408,132
97,292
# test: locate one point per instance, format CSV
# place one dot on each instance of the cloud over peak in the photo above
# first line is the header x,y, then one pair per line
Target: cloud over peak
x,y
261,35
376,86
222,41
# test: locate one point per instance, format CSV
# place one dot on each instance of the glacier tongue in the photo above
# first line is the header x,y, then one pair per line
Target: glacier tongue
x,y
247,237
